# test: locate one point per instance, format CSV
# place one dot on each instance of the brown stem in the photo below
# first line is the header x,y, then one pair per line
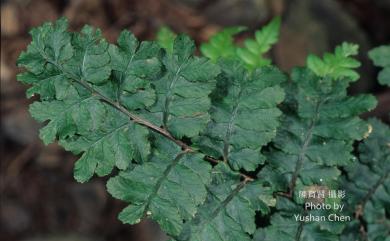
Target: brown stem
x,y
138,119
284,194
153,127
300,227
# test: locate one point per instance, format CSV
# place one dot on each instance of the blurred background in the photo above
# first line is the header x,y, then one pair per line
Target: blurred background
x,y
40,200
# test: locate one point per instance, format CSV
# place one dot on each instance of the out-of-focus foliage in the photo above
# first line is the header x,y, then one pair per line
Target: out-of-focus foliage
x,y
221,45
381,58
166,38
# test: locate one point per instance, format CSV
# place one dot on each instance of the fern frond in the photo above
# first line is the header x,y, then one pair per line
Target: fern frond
x,y
182,92
186,134
244,115
168,187
229,210
127,106
317,133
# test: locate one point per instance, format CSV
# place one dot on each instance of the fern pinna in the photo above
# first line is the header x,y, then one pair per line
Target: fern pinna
x,y
203,145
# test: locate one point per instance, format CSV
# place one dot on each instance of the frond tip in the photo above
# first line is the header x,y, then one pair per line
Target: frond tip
x,y
336,66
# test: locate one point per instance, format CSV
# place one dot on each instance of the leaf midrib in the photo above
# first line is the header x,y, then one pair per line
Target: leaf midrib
x,y
230,129
222,205
72,106
123,74
109,134
161,180
374,188
169,97
302,152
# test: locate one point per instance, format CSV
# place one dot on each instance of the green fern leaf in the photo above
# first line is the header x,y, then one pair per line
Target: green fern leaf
x,y
168,187
135,65
158,116
182,93
114,144
49,42
229,210
93,93
317,134
245,117
90,61
72,72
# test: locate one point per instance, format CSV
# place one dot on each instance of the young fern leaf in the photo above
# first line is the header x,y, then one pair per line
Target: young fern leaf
x,y
254,49
221,45
228,213
317,132
338,65
381,58
244,115
182,92
367,185
166,38
168,187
